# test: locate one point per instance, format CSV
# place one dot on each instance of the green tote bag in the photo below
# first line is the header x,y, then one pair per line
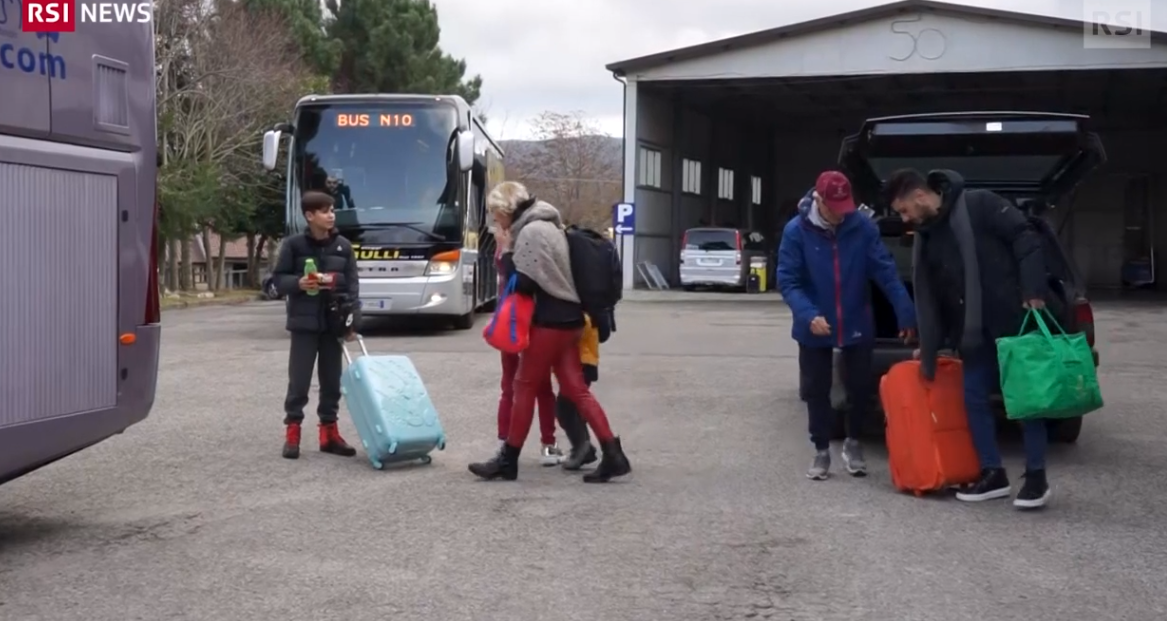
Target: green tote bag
x,y
1046,375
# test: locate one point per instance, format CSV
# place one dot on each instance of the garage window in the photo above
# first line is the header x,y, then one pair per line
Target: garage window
x,y
649,168
691,176
756,190
725,184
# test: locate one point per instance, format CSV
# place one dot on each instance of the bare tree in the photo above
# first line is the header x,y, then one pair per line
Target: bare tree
x,y
572,166
239,70
482,110
503,125
225,73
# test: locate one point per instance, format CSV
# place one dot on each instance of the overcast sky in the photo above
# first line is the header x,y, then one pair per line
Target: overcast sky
x,y
537,55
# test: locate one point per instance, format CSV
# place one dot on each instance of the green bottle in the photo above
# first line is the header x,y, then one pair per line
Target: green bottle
x,y
311,273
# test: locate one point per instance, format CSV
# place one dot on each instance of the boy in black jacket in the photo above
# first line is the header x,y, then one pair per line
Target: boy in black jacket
x,y
313,341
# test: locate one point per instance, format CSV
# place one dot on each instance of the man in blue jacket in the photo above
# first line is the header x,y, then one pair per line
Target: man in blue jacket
x,y
828,257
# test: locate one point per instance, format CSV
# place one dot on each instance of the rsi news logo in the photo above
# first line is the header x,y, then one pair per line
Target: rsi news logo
x,y
61,15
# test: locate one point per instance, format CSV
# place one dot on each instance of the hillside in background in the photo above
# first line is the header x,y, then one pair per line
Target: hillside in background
x,y
579,173
520,152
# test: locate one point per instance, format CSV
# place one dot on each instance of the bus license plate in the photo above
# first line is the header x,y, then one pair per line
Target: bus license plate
x,y
378,304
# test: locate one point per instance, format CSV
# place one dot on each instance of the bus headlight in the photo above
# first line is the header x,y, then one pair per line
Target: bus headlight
x,y
443,263
438,268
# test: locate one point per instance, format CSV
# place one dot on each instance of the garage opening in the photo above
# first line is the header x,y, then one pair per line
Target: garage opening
x,y
1106,221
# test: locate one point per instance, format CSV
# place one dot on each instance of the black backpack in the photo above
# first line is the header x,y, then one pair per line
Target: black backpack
x,y
598,276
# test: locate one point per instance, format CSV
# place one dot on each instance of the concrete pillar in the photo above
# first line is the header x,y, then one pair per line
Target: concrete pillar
x,y
675,162
631,157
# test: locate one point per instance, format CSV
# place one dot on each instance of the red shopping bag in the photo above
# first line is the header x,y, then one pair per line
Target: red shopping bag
x,y
509,330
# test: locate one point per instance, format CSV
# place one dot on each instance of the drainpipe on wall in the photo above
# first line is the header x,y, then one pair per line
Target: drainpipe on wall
x,y
623,135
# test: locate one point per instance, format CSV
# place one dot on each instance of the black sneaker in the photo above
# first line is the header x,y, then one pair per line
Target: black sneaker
x,y
993,484
1034,492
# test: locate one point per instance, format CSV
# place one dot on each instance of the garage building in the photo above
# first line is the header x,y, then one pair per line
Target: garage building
x,y
733,132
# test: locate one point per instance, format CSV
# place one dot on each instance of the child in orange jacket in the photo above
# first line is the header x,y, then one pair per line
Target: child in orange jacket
x,y
582,450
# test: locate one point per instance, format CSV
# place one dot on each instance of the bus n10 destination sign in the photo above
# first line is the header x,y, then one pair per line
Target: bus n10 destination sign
x,y
381,119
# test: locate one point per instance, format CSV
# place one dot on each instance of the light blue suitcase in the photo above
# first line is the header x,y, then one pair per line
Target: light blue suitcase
x,y
390,408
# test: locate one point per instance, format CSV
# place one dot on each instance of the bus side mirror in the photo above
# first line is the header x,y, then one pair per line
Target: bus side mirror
x,y
465,151
271,148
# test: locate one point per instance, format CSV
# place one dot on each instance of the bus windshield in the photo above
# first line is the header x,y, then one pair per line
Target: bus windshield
x,y
387,165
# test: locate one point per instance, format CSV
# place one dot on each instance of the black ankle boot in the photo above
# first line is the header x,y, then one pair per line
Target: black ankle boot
x,y
504,465
580,456
612,464
573,425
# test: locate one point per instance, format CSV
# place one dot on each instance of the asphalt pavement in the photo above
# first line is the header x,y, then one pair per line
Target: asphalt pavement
x,y
193,515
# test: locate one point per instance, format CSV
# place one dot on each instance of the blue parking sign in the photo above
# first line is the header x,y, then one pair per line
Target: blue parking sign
x,y
624,218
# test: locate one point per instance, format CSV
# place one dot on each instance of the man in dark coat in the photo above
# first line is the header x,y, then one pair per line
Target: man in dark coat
x,y
978,266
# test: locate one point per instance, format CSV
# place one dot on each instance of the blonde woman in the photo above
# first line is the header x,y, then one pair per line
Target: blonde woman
x,y
534,247
551,455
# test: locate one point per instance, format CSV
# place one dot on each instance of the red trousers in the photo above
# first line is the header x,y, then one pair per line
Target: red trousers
x,y
553,351
545,397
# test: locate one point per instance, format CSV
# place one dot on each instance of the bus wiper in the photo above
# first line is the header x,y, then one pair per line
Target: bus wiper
x,y
413,226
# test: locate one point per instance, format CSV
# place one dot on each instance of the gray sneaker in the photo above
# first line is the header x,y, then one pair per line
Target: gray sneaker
x,y
820,467
551,455
853,458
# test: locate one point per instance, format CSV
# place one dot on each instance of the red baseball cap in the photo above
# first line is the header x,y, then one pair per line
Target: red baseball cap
x,y
835,191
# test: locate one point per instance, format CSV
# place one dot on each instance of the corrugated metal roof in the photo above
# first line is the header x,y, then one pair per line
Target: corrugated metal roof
x,y
763,37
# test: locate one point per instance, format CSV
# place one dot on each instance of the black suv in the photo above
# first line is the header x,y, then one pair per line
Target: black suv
x,y
1031,158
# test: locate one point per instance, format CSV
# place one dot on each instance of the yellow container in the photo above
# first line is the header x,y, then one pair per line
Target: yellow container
x,y
758,268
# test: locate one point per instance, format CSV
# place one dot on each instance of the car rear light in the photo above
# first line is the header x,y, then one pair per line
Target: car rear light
x,y
1084,318
738,243
684,244
153,294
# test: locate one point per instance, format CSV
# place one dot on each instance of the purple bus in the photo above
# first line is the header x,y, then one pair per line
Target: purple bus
x,y
78,161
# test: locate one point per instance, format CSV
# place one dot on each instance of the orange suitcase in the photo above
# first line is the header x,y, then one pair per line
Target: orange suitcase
x,y
929,447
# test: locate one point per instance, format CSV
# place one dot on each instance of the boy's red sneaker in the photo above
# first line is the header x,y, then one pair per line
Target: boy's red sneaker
x,y
331,442
292,441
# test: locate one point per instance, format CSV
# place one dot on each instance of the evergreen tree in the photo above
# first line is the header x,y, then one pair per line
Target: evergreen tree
x,y
307,24
391,46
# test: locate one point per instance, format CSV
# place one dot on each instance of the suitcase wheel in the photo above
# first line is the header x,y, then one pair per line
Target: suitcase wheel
x,y
426,459
442,444
379,465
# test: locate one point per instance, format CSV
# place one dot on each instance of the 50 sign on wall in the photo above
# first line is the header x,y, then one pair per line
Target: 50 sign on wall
x,y
916,42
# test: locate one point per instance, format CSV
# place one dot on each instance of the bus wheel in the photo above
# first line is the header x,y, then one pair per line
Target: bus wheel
x,y
464,322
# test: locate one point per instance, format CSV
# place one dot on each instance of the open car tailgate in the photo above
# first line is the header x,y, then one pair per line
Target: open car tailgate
x,y
1022,154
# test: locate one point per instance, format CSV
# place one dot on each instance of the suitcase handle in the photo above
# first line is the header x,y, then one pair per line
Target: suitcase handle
x,y
344,348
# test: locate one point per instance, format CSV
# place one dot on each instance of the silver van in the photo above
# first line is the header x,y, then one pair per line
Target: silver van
x,y
718,257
